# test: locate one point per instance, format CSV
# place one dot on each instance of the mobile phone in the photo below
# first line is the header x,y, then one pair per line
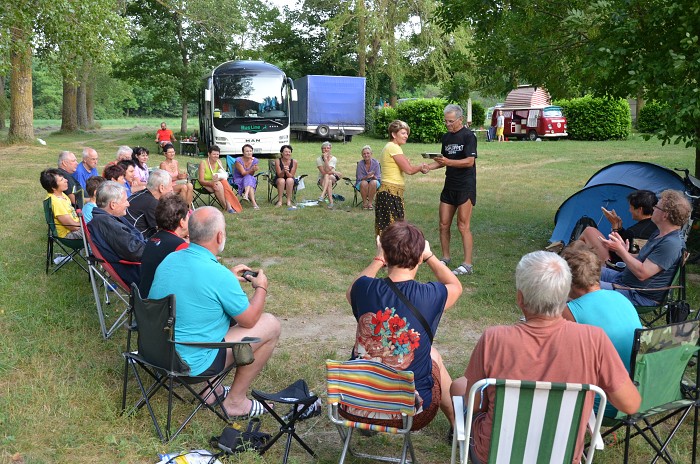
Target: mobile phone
x,y
247,274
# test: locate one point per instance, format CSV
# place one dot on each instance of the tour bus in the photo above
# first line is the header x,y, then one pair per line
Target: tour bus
x,y
245,102
532,122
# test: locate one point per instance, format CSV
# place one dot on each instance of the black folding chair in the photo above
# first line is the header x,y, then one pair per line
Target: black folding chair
x,y
70,248
304,405
157,357
271,176
201,194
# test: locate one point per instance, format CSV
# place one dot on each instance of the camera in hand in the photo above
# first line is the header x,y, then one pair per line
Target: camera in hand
x,y
248,274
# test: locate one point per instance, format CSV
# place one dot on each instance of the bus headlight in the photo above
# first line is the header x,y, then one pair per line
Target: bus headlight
x,y
221,140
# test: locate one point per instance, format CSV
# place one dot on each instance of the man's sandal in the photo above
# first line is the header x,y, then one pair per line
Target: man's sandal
x,y
445,261
463,269
256,410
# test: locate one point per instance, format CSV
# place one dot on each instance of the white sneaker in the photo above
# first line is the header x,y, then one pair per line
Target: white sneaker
x,y
61,258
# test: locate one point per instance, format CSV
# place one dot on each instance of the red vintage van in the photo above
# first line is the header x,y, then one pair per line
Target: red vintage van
x,y
529,113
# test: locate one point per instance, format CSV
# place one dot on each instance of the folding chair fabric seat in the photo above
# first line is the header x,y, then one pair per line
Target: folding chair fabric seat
x,y
70,247
106,282
533,421
375,388
660,358
157,357
200,194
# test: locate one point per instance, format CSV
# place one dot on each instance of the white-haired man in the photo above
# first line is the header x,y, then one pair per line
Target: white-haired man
x,y
112,233
459,193
544,347
142,205
86,169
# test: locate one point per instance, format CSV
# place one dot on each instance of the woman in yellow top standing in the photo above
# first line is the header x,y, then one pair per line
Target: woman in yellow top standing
x,y
389,205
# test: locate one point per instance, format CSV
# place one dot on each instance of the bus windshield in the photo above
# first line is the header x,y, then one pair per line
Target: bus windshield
x,y
552,112
250,103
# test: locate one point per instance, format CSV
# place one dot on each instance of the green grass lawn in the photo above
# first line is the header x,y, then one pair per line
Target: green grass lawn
x,y
60,383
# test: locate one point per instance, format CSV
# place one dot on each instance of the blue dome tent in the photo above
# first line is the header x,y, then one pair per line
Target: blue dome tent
x,y
609,187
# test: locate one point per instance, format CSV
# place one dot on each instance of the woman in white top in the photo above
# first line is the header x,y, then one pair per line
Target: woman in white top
x,y
327,175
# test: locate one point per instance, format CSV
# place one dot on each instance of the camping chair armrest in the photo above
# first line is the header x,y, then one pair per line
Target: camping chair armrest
x,y
458,403
302,176
622,287
130,263
243,341
242,351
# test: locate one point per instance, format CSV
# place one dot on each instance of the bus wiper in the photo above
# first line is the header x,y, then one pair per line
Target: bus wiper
x,y
277,123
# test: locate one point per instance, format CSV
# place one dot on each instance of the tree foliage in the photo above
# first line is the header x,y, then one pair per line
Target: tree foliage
x,y
618,48
651,48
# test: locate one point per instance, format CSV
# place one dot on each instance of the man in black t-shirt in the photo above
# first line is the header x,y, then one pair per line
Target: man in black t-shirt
x,y
459,193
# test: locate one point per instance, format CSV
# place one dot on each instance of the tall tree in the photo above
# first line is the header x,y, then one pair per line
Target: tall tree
x,y
649,49
173,42
518,42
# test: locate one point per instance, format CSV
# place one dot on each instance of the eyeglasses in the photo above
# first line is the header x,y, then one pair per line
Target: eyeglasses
x,y
660,208
449,122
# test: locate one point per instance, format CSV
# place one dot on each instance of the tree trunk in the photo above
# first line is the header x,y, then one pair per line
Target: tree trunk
x,y
81,109
21,105
697,151
183,122
3,103
81,98
69,115
361,39
640,105
90,100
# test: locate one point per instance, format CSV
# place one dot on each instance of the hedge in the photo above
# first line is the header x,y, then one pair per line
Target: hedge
x,y
590,118
649,117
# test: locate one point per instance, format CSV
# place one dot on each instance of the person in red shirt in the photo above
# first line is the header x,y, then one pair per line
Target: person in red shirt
x,y
164,135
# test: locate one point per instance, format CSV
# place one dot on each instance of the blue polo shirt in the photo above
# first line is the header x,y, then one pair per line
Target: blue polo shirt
x,y
81,175
207,297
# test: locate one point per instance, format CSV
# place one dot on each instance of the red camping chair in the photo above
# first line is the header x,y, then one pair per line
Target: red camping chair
x,y
106,281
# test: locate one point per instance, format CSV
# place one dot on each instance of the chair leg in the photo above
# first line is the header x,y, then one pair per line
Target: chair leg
x,y
346,445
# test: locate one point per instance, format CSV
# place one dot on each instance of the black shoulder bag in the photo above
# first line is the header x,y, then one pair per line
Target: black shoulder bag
x,y
410,306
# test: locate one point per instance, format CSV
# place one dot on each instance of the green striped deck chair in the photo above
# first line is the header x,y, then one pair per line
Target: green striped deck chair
x,y
375,388
659,365
534,422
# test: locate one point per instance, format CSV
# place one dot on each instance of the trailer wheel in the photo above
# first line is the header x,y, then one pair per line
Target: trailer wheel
x,y
323,130
532,135
348,138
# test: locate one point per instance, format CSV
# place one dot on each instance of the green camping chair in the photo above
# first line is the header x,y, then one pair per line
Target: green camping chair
x,y
533,421
70,248
660,357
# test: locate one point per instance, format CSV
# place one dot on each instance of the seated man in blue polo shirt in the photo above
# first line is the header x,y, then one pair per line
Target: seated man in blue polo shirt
x,y
211,306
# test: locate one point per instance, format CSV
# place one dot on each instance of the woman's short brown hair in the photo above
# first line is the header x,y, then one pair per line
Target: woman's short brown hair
x,y
403,244
584,264
396,126
171,209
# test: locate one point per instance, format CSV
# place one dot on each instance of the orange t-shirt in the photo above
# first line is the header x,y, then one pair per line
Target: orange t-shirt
x,y
164,135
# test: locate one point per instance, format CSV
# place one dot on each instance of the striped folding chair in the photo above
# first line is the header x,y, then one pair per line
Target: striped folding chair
x,y
533,421
373,389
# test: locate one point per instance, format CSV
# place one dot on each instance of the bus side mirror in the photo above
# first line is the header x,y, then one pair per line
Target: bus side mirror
x,y
207,95
295,96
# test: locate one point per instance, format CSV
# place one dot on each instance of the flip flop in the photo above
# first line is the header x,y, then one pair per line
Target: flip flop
x,y
445,261
220,398
463,269
256,410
